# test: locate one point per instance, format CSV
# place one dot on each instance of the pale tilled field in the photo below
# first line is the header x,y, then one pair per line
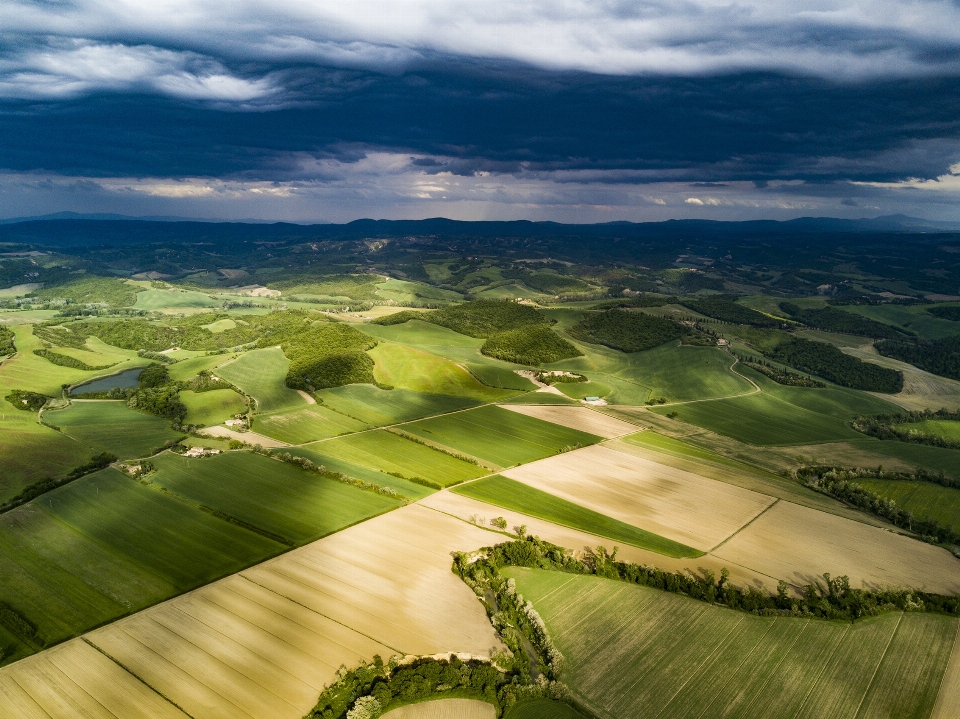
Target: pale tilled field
x,y
799,544
444,709
264,642
679,505
586,420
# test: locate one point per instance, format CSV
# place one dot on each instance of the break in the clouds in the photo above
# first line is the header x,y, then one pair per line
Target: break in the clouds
x,y
565,108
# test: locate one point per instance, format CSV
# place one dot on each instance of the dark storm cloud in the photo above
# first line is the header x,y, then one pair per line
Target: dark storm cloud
x,y
475,117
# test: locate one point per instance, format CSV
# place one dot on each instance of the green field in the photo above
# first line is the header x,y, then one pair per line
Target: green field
x,y
638,652
579,390
519,497
271,495
30,452
679,448
188,368
388,452
914,318
262,375
500,377
938,459
111,426
414,369
499,436
306,425
948,429
378,407
405,488
923,499
678,372
73,558
212,407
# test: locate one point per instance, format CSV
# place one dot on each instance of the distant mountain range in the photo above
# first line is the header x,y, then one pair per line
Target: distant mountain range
x,y
884,223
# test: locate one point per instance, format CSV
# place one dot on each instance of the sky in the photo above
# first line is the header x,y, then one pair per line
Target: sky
x,y
561,110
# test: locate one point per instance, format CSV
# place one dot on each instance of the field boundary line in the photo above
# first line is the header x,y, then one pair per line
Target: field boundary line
x,y
953,650
823,668
699,667
321,614
742,662
776,500
138,678
876,669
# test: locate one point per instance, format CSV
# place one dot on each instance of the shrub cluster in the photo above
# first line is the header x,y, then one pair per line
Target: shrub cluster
x,y
329,355
529,345
19,625
823,360
626,331
830,319
888,426
945,312
27,401
66,361
7,341
841,484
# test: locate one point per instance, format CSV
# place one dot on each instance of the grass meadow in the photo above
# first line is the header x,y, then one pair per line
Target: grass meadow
x,y
922,499
377,407
499,377
212,407
499,436
519,497
421,371
309,424
262,375
404,487
948,429
110,425
543,709
274,496
938,459
388,452
30,452
174,299
639,652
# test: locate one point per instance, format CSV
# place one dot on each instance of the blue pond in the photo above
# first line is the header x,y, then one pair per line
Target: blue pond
x,y
124,380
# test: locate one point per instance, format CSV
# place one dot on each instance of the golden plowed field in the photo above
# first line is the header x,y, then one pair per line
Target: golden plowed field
x,y
586,420
679,505
799,544
264,642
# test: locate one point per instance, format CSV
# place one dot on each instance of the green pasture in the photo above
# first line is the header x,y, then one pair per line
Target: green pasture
x,y
678,372
104,546
432,338
212,407
28,371
309,424
500,377
405,291
388,452
922,499
406,488
579,390
414,369
914,318
937,459
174,299
279,498
262,375
510,292
30,452
110,425
189,368
519,497
639,652
945,428
377,407
499,436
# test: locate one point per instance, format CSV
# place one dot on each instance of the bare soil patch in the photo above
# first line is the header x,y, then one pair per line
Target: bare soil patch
x,y
673,503
586,420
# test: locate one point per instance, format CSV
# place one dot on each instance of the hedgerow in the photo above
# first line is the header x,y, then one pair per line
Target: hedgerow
x,y
727,310
66,361
830,319
888,426
43,486
7,341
